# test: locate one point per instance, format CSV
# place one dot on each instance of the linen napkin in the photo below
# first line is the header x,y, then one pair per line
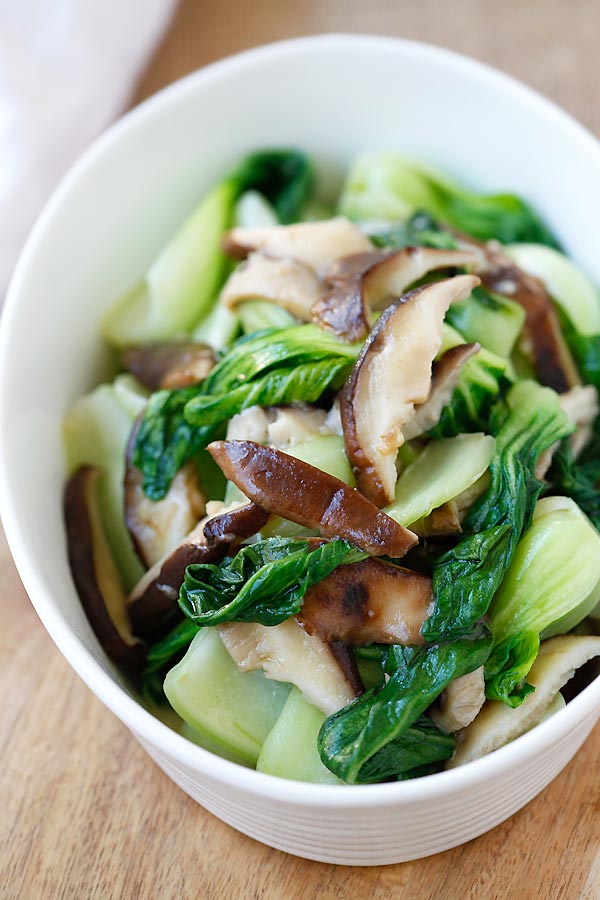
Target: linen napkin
x,y
67,68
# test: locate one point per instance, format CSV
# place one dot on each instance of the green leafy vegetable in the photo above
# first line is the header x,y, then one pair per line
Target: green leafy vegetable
x,y
553,580
490,319
181,284
276,366
441,472
354,743
265,582
283,177
482,379
303,383
466,578
165,440
387,186
417,748
162,655
508,665
231,712
257,315
255,354
555,567
579,481
419,230
586,351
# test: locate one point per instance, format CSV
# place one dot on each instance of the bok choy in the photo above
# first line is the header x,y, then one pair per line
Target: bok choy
x,y
397,514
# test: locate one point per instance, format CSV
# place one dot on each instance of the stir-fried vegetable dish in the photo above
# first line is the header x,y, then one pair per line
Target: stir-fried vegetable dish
x,y
340,506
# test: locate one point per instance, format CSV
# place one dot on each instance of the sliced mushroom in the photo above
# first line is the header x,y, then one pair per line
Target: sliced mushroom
x,y
441,522
497,724
369,281
345,659
316,244
444,378
287,653
554,364
157,527
581,406
155,596
333,420
251,424
290,425
95,572
169,365
392,374
286,282
460,702
368,602
297,491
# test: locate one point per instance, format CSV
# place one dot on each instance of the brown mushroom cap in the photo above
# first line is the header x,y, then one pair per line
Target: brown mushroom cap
x,y
155,596
392,374
169,365
316,244
94,570
366,602
157,527
286,282
369,281
308,496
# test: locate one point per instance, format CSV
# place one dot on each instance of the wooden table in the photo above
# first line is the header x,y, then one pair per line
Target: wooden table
x,y
84,813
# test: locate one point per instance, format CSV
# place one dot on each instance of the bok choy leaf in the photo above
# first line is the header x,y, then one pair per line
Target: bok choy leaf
x,y
303,383
552,580
387,186
482,379
577,480
508,665
290,365
162,655
466,578
265,582
181,284
365,740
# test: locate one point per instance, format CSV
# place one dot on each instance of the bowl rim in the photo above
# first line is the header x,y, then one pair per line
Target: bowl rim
x,y
145,726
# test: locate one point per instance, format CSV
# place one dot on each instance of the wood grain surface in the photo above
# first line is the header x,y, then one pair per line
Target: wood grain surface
x,y
84,813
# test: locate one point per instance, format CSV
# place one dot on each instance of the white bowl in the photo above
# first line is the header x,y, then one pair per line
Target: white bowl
x,y
333,96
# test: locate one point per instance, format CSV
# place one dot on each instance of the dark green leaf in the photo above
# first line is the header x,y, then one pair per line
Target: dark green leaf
x,y
421,230
284,177
466,577
577,480
421,771
162,656
165,441
258,353
351,738
501,217
481,381
276,366
420,746
265,582
303,383
508,665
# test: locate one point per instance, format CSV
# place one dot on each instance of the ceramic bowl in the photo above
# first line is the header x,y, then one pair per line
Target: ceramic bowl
x,y
333,96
